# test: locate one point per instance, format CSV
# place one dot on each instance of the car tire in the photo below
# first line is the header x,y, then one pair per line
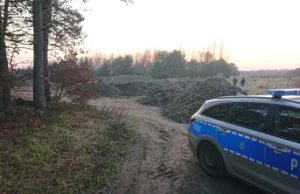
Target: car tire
x,y
211,160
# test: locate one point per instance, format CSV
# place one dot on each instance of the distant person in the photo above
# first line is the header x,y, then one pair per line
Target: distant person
x,y
235,81
243,82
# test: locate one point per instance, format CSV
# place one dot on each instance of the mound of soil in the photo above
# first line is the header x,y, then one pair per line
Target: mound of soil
x,y
160,94
191,99
133,88
108,90
184,83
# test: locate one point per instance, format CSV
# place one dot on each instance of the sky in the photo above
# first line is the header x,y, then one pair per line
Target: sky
x,y
257,34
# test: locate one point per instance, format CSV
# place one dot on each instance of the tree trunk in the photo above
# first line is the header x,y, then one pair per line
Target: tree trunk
x,y
38,68
47,19
4,73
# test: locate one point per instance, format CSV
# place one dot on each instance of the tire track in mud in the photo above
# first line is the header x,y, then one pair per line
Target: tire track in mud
x,y
160,162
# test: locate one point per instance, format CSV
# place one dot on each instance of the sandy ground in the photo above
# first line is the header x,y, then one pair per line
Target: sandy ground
x,y
160,161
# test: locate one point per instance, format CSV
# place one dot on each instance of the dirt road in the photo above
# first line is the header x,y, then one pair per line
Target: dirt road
x,y
161,161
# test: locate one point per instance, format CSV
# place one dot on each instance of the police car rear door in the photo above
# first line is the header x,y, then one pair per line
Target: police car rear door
x,y
283,151
245,140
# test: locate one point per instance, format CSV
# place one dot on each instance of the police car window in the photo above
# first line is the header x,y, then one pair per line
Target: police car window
x,y
288,124
218,112
252,116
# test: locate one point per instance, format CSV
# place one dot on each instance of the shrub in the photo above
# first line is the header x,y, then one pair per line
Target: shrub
x,y
73,81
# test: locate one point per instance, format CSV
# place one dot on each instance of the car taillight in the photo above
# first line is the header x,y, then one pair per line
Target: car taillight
x,y
192,119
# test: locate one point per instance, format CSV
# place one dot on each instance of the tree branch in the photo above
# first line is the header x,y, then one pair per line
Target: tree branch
x,y
20,47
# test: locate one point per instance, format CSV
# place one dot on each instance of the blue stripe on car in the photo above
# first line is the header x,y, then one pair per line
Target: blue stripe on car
x,y
198,128
250,148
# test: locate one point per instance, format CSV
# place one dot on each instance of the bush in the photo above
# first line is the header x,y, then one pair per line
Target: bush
x,y
73,81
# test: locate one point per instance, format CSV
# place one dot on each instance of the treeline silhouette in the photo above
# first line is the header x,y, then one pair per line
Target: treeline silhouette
x,y
161,64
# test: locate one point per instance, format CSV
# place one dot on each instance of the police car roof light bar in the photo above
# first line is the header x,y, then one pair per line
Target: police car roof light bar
x,y
278,93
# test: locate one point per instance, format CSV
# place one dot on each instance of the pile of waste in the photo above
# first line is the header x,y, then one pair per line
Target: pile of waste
x,y
160,94
108,90
191,99
179,99
133,88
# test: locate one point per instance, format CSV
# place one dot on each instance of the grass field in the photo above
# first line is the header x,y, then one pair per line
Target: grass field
x,y
260,85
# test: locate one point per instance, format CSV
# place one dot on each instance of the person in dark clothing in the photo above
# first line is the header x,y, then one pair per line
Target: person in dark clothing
x,y
235,81
243,82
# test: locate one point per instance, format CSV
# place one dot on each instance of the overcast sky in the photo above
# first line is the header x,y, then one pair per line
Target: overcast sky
x,y
257,34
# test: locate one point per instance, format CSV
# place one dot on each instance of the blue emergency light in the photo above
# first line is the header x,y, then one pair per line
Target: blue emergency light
x,y
284,92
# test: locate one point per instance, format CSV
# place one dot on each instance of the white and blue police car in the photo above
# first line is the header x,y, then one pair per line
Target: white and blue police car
x,y
255,138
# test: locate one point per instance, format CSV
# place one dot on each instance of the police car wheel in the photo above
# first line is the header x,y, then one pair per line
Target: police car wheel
x,y
211,160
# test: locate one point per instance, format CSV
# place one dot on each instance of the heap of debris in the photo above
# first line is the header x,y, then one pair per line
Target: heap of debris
x,y
108,90
191,99
179,99
133,88
160,94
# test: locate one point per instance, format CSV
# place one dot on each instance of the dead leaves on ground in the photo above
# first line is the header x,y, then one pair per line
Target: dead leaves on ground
x,y
26,118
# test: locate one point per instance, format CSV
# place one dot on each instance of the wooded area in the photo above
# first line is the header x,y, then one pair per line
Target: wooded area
x,y
41,130
162,64
48,27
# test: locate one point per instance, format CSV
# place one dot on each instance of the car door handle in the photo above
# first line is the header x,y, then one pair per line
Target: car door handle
x,y
224,131
280,150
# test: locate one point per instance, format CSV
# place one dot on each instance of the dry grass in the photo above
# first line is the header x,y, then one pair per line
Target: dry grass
x,y
77,151
260,85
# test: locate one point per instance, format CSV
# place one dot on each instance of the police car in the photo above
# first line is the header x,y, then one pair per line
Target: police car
x,y
256,138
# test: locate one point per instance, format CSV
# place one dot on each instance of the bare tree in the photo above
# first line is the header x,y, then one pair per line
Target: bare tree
x,y
208,57
214,49
221,50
